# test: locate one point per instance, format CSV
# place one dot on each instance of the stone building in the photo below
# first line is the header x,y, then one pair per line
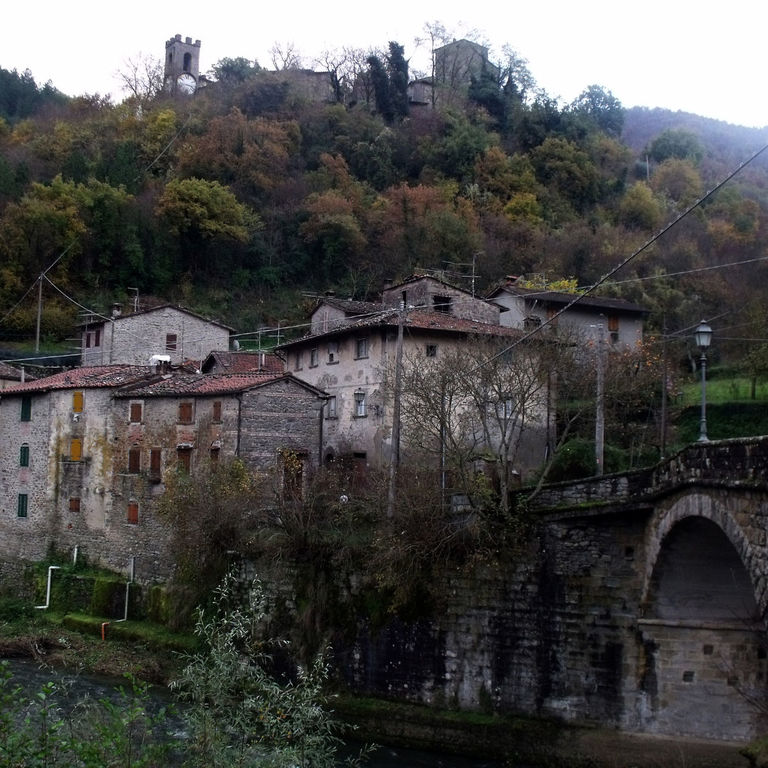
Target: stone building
x,y
182,65
528,308
350,354
84,453
173,333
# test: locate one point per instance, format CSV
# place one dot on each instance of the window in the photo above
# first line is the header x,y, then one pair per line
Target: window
x,y
187,62
134,460
74,504
216,410
313,357
26,408
170,342
87,340
97,337
185,413
360,404
361,348
24,455
293,474
77,402
135,413
333,351
76,450
431,350
299,361
531,322
132,516
184,458
330,411
155,458
21,509
442,304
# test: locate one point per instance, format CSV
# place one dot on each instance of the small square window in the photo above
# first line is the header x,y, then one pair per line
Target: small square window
x,y
361,348
24,455
26,408
74,504
431,350
132,515
442,304
136,413
21,509
171,340
331,408
360,408
77,402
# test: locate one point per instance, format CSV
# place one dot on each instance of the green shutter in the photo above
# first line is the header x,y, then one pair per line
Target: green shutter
x,y
22,508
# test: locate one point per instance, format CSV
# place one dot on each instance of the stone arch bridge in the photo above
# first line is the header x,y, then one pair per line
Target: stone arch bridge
x,y
666,569
640,603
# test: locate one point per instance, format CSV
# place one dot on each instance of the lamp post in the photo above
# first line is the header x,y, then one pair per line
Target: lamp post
x,y
703,337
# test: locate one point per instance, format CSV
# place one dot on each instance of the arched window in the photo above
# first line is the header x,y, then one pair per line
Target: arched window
x,y
24,455
187,62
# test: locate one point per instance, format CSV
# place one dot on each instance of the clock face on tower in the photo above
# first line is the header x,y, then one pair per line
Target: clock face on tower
x,y
185,83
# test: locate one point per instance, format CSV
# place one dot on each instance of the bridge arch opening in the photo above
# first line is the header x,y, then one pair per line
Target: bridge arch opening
x,y
703,645
699,575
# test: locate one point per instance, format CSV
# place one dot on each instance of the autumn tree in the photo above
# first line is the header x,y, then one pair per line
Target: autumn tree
x,y
486,401
199,213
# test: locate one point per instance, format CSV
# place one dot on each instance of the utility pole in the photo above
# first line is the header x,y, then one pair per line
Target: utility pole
x,y
39,311
600,404
394,461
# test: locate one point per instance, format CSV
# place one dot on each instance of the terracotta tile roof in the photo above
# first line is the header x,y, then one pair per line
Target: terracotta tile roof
x,y
417,319
10,373
557,297
242,362
192,385
84,378
350,306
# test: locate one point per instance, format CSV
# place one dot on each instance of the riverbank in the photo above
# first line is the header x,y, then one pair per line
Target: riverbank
x,y
515,740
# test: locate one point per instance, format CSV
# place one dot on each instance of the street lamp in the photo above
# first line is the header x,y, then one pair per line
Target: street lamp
x,y
703,337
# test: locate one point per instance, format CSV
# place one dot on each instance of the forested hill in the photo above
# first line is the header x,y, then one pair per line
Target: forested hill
x,y
252,193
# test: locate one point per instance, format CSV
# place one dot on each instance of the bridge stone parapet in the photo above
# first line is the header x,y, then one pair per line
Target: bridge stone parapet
x,y
740,462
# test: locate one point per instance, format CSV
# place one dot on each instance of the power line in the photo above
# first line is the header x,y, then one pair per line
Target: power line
x,y
591,289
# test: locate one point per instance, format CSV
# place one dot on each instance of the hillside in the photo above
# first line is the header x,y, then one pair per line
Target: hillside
x,y
253,193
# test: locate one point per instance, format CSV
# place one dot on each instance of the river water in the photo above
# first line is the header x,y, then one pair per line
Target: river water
x,y
31,677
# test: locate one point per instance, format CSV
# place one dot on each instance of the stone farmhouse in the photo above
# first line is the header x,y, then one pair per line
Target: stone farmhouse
x,y
527,308
351,347
174,333
85,452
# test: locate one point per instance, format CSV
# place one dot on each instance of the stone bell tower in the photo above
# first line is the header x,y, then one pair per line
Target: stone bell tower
x,y
182,65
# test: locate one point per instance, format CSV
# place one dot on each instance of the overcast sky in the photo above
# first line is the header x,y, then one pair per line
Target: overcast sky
x,y
709,59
